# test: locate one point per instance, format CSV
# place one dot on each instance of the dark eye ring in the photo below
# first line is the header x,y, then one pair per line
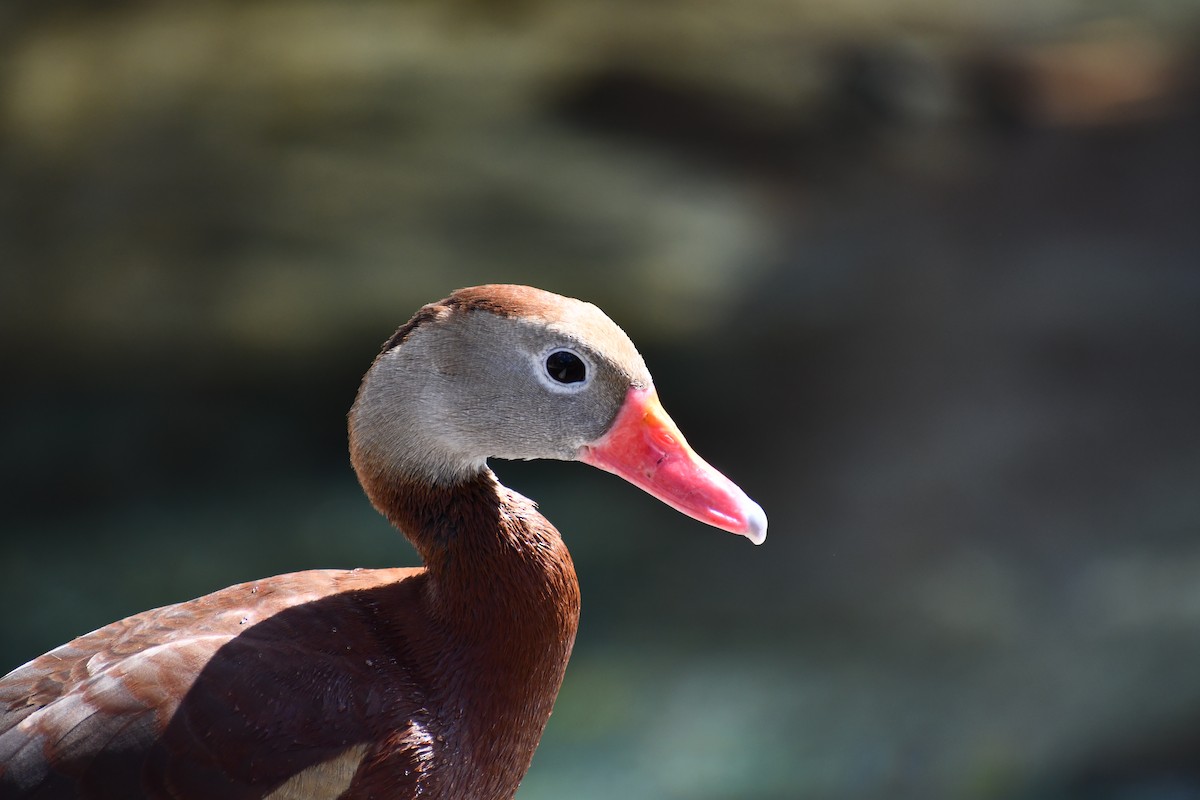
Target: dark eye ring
x,y
566,367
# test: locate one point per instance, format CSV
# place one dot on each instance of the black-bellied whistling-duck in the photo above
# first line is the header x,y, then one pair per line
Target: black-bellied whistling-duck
x,y
433,682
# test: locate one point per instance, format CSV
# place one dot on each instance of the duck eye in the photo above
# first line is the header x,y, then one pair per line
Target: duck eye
x,y
566,367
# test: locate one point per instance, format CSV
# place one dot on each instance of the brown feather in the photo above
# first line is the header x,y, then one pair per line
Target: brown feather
x,y
500,299
235,693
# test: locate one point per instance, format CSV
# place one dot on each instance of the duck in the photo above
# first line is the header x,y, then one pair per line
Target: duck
x,y
431,682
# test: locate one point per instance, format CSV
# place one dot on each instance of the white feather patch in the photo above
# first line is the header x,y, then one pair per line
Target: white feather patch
x,y
324,781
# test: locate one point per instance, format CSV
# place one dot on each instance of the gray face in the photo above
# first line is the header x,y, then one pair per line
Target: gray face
x,y
470,384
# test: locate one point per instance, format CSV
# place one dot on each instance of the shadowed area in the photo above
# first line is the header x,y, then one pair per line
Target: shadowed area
x,y
178,714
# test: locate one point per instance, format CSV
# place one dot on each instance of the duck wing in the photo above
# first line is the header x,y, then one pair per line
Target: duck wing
x,y
275,688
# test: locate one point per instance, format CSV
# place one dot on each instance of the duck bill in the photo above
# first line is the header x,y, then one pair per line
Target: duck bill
x,y
645,447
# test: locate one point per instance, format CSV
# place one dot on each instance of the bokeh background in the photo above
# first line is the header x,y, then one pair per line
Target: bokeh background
x,y
922,276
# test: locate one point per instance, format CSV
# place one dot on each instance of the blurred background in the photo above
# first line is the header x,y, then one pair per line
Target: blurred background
x,y
922,276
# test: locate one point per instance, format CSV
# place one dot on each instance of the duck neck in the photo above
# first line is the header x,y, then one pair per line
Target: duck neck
x,y
501,591
487,550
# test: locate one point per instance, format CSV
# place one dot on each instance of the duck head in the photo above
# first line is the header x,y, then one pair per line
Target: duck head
x,y
518,373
